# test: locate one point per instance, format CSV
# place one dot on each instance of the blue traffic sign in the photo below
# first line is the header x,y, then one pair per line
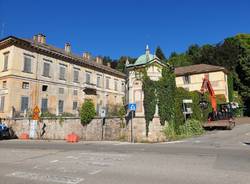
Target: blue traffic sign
x,y
132,106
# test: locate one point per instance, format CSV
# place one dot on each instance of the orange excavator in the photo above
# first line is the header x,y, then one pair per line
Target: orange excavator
x,y
221,116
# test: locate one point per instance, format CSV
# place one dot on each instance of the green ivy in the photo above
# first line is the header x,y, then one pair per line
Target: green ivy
x,y
230,87
166,89
149,101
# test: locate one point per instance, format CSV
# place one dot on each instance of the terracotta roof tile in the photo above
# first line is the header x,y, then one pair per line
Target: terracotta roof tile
x,y
199,68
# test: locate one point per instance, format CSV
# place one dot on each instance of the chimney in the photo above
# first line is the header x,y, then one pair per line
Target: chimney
x,y
86,55
67,47
41,38
108,64
99,60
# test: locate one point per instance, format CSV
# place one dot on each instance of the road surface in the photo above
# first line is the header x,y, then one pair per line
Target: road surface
x,y
221,157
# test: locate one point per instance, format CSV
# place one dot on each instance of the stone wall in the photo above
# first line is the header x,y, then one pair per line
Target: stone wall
x,y
113,129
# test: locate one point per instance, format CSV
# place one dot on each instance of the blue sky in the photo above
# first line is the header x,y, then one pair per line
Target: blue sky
x,y
123,27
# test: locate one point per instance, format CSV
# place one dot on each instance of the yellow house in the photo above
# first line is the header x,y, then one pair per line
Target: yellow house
x,y
33,72
191,78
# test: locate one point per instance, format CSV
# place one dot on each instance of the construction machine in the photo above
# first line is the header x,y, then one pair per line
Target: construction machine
x,y
221,115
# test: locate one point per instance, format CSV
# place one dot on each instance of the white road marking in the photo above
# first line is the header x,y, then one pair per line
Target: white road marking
x,y
73,157
46,178
173,142
95,172
54,161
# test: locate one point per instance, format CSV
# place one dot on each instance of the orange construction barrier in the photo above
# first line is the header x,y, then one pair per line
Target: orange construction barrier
x,y
24,136
72,138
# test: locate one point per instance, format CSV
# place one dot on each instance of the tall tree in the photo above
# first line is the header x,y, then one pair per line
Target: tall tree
x,y
159,53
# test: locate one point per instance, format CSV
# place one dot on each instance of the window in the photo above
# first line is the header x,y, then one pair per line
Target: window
x,y
107,83
25,85
74,105
186,79
88,77
60,106
98,81
2,103
123,87
62,73
75,92
116,89
76,76
44,106
61,90
27,64
24,103
4,84
6,60
46,68
44,88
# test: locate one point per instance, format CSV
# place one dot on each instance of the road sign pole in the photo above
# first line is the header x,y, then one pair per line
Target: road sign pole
x,y
132,137
132,108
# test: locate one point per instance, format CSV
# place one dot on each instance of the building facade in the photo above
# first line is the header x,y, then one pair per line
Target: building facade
x,y
188,77
56,80
153,66
191,78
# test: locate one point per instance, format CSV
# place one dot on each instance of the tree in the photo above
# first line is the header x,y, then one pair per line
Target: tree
x,y
194,52
107,59
178,60
243,80
166,90
87,112
159,53
121,63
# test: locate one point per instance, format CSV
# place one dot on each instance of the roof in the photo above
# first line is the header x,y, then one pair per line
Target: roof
x,y
143,59
199,68
58,53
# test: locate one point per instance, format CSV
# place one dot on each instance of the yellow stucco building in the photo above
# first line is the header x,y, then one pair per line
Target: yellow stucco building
x,y
33,72
191,78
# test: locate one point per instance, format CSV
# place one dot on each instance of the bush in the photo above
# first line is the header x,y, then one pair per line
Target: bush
x,y
170,131
87,112
48,115
198,113
191,128
67,114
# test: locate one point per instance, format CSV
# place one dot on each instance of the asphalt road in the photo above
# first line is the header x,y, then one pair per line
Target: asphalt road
x,y
221,157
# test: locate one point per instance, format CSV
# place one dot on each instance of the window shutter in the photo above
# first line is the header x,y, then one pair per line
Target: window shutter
x,y
46,68
60,106
62,73
2,103
44,105
76,73
27,64
6,58
24,103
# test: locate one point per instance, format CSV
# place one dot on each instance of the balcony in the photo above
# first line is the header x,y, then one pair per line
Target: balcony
x,y
89,88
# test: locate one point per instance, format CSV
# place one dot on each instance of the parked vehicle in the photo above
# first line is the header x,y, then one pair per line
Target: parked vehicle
x,y
222,117
6,132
